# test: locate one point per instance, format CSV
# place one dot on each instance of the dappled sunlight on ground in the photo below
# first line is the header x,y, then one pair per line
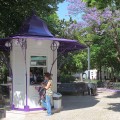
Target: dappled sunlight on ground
x,y
104,106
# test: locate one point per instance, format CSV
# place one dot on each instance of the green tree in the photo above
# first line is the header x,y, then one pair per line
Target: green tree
x,y
101,4
13,13
74,61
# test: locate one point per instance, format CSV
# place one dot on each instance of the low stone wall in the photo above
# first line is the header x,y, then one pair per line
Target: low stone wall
x,y
2,107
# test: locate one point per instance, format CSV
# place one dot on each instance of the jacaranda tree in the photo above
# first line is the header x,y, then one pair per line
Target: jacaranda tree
x,y
100,26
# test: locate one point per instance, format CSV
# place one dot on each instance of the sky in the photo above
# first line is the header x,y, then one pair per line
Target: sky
x,y
63,12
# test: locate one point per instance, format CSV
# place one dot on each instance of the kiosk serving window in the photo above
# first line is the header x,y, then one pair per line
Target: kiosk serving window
x,y
38,66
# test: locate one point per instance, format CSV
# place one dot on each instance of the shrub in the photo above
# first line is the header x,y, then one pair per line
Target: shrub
x,y
66,78
117,85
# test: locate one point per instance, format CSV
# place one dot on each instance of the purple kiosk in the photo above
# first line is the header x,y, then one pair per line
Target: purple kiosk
x,y
33,51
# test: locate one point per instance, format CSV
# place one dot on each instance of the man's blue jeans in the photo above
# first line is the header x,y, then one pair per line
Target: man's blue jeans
x,y
47,104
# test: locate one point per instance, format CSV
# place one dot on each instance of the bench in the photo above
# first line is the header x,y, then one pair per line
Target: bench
x,y
79,88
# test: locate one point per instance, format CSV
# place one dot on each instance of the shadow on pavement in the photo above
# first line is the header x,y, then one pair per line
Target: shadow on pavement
x,y
114,107
115,95
78,102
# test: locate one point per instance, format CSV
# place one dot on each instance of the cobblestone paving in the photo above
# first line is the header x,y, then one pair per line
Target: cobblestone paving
x,y
104,106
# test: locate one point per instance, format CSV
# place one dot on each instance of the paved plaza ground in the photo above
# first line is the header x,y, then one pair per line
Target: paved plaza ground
x,y
104,106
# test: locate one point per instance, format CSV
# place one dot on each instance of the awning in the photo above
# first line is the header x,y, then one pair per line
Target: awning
x,y
66,45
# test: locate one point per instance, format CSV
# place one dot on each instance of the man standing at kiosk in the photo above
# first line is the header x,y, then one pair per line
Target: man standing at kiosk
x,y
49,92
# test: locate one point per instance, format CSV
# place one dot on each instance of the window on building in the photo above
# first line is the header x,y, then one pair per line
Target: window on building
x,y
38,66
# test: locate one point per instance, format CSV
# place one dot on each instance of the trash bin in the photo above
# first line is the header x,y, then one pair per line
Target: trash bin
x,y
57,100
2,112
92,89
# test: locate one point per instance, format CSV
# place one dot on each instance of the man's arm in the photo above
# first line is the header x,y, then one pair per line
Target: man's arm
x,y
48,85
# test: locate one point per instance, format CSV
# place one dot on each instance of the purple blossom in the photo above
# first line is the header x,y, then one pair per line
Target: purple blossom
x,y
117,19
82,24
93,17
116,15
73,26
117,12
107,14
76,6
78,26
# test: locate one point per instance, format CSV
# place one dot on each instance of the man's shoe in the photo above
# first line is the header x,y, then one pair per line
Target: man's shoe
x,y
48,114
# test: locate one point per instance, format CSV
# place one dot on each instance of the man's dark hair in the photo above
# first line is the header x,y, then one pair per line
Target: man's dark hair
x,y
48,75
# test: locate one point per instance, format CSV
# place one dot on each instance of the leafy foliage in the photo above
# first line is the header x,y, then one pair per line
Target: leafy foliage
x,y
75,61
66,78
101,4
13,13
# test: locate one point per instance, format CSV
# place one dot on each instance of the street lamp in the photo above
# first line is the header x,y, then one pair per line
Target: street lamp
x,y
9,44
54,46
88,43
